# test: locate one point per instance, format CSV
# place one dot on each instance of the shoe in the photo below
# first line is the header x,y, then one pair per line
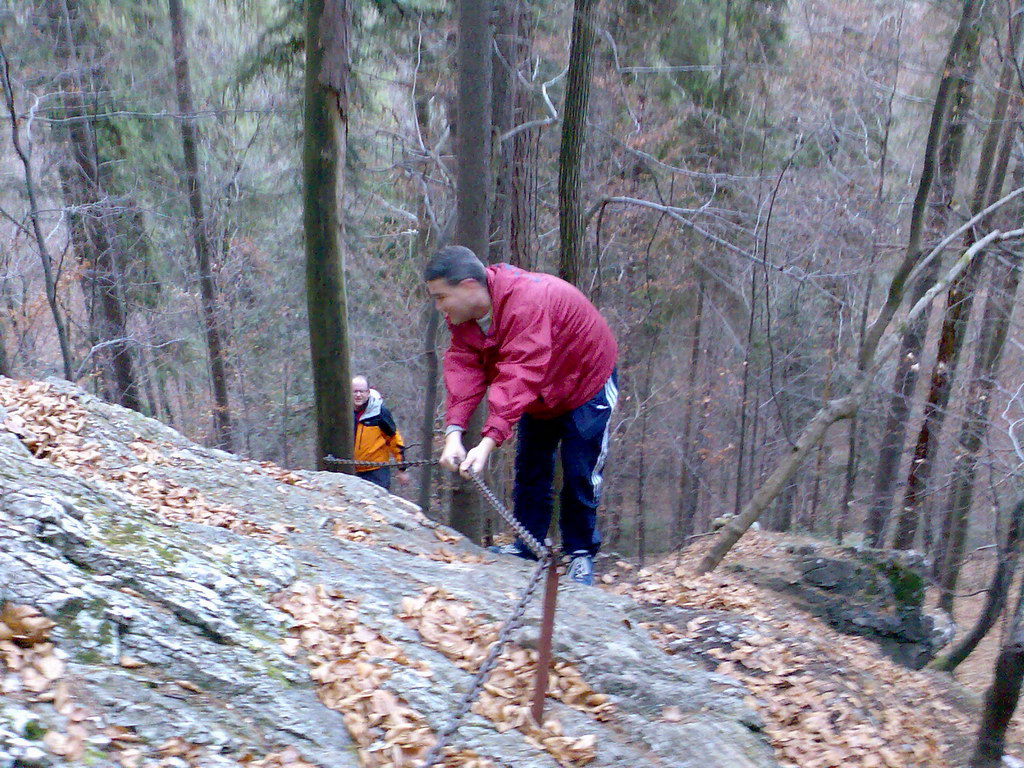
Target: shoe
x,y
516,549
581,568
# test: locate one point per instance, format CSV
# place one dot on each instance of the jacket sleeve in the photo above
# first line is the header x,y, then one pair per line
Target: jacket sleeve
x,y
397,446
392,437
524,359
464,380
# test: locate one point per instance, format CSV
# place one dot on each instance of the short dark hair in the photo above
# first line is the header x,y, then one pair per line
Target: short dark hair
x,y
453,264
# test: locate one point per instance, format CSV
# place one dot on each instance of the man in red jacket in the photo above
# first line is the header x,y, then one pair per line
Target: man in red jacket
x,y
545,358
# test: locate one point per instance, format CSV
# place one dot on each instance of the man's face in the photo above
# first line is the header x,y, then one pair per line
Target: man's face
x,y
360,392
460,302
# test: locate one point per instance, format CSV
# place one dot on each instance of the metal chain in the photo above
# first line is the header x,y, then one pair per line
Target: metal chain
x,y
543,554
538,549
510,625
396,464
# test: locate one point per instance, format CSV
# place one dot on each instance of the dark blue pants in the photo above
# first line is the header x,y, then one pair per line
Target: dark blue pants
x,y
380,476
583,434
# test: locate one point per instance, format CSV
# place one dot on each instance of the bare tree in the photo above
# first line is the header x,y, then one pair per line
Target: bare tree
x,y
572,253
1002,696
905,378
328,47
200,229
104,264
994,329
49,281
845,406
473,192
996,596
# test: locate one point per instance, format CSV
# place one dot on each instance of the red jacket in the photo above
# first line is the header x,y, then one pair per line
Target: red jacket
x,y
547,351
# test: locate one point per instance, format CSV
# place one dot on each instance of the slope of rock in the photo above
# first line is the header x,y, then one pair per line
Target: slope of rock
x,y
165,604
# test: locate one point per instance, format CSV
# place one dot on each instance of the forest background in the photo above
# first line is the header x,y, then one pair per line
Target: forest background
x,y
758,186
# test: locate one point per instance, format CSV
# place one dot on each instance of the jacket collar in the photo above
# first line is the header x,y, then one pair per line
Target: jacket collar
x,y
373,406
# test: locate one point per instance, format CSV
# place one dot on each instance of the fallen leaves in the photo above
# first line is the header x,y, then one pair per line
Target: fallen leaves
x,y
448,626
347,661
445,555
828,700
49,424
24,649
286,758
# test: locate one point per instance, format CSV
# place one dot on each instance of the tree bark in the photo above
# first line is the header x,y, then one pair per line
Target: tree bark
x,y
1001,698
960,62
572,230
511,47
200,230
523,213
995,599
949,165
103,270
839,408
49,282
881,502
689,476
985,370
328,31
912,254
992,165
473,182
429,403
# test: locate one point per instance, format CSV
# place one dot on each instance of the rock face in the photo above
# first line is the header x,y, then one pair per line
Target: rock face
x,y
876,594
179,581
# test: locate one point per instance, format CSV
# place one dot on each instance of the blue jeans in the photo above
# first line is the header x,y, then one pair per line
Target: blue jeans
x,y
583,434
380,476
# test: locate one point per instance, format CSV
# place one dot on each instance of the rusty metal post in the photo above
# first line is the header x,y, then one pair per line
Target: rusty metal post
x,y
547,628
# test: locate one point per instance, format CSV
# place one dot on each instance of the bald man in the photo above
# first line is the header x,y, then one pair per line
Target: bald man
x,y
376,435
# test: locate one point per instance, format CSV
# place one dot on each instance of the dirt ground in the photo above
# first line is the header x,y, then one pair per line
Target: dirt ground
x,y
975,673
829,700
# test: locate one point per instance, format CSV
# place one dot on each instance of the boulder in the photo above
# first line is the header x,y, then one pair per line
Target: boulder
x,y
199,609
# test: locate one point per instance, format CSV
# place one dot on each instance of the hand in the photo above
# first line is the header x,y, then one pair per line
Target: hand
x,y
476,460
453,453
402,477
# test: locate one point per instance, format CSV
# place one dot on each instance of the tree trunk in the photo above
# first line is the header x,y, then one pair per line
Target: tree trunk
x,y
992,165
881,502
328,35
1001,698
995,599
641,451
473,182
511,52
49,281
994,330
523,213
686,505
745,395
949,163
894,433
724,61
200,230
429,403
427,227
572,230
839,408
104,271
912,254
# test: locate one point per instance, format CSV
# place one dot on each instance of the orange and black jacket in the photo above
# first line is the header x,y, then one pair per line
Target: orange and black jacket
x,y
377,437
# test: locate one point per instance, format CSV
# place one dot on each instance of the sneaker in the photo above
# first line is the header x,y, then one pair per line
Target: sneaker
x,y
516,549
581,568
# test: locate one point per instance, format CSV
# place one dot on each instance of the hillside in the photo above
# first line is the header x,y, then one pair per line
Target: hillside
x,y
828,699
170,605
